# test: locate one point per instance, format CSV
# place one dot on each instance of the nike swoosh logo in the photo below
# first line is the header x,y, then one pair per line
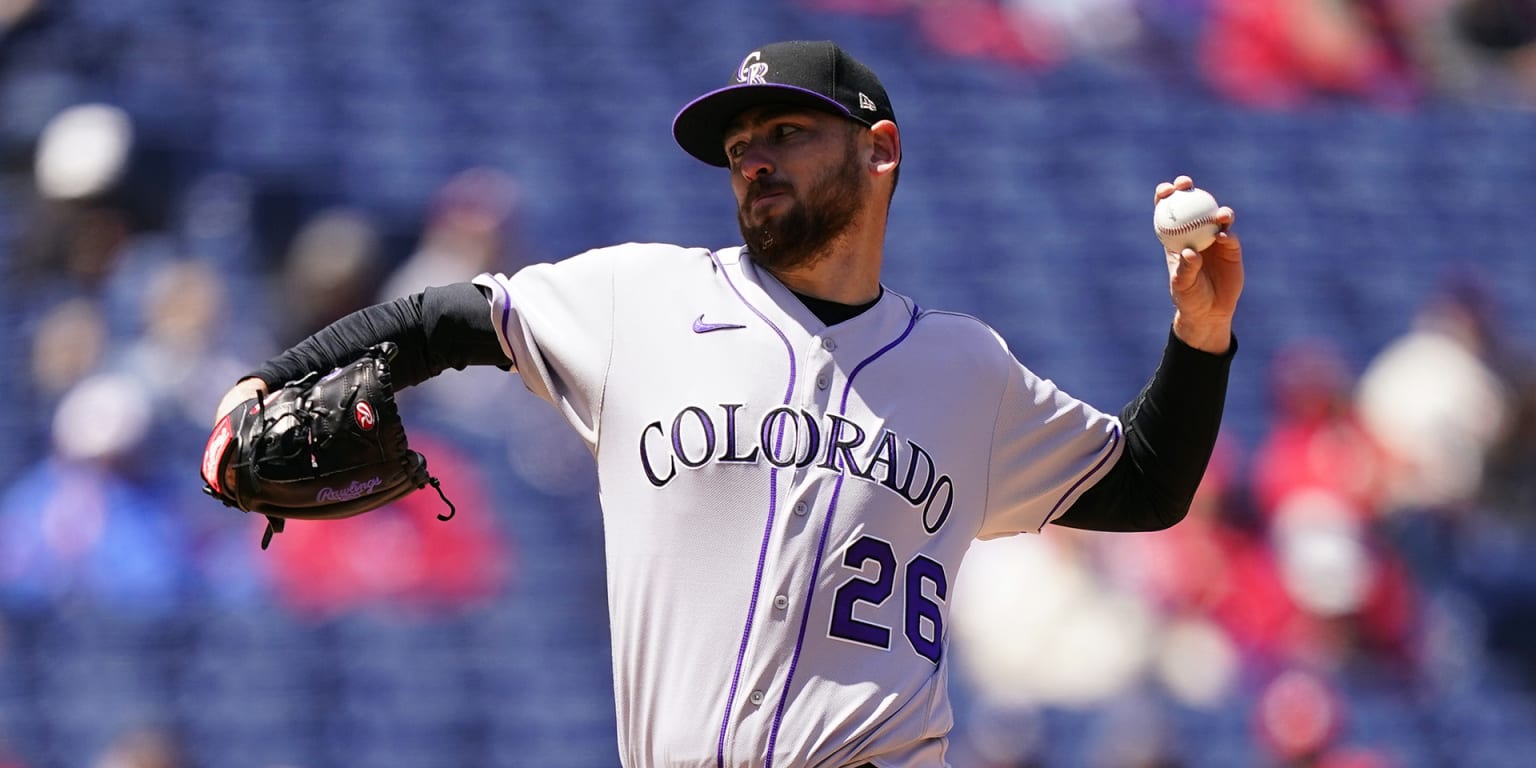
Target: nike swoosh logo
x,y
699,326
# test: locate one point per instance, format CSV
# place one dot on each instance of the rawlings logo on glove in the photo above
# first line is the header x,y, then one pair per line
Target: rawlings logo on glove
x,y
320,448
350,492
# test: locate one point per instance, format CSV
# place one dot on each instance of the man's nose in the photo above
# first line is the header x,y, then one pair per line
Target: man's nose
x,y
755,162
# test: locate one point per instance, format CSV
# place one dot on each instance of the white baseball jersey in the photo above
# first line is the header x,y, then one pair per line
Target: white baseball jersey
x,y
786,504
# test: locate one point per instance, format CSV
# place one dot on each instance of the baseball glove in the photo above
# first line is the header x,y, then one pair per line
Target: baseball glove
x,y
320,448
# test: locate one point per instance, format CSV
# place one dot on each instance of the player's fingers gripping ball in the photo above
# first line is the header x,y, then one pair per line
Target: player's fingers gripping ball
x,y
1186,219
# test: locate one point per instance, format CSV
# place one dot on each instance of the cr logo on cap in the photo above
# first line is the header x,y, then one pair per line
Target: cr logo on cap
x,y
752,71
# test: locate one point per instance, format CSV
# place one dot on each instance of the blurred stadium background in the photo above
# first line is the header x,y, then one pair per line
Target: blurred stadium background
x,y
187,187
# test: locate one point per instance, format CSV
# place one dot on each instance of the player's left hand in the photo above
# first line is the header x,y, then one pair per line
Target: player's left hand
x,y
1205,284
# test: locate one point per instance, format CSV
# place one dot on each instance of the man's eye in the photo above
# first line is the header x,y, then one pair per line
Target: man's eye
x,y
736,150
784,130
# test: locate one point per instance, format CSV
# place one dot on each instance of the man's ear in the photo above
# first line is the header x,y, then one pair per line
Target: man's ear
x,y
885,141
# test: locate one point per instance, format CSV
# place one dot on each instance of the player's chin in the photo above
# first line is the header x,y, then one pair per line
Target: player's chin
x,y
756,218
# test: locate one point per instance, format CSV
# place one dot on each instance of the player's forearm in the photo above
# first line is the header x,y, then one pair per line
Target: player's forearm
x,y
1208,335
1170,431
438,329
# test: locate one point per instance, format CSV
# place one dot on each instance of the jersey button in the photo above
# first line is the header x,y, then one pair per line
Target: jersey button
x,y
800,508
828,344
756,697
780,602
821,382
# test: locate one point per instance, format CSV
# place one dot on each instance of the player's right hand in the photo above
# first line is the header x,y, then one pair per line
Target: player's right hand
x,y
244,390
1205,285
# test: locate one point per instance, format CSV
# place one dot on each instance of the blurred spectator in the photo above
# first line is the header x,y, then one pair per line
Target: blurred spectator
x,y
474,225
1197,663
98,184
1318,481
1090,27
1027,33
1298,716
1315,440
1484,50
1509,484
333,267
1288,53
84,152
176,351
14,13
1304,723
1434,400
1496,25
1356,606
180,354
987,29
79,527
71,247
69,344
400,556
1079,641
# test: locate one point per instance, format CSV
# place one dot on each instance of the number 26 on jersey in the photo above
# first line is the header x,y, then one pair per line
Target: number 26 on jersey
x,y
923,587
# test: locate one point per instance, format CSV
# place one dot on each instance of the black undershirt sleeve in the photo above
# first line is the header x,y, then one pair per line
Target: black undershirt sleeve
x,y
1170,431
437,329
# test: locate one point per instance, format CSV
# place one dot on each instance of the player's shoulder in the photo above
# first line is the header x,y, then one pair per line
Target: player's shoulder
x,y
959,327
644,250
652,260
959,338
665,253
624,260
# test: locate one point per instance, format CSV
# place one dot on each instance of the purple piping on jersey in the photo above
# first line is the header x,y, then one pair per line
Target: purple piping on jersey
x,y
506,314
1114,440
773,504
821,546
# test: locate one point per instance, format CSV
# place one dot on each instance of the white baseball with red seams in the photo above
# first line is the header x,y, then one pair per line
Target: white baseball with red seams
x,y
1186,219
786,503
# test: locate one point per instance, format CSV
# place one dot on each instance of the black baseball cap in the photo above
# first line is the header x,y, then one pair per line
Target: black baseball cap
x,y
815,74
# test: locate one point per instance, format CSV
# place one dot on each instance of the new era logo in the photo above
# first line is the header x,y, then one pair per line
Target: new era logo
x,y
866,102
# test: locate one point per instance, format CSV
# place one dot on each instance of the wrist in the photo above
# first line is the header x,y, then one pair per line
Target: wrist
x,y
244,389
1212,335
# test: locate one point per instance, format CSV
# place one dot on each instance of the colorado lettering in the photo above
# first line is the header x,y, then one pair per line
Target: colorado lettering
x,y
786,437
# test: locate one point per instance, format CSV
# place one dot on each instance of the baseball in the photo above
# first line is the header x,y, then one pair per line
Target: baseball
x,y
1186,219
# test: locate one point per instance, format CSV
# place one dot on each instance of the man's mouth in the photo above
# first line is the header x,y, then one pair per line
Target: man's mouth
x,y
765,194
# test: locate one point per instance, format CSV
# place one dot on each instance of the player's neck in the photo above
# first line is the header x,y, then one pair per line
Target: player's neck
x,y
843,280
848,273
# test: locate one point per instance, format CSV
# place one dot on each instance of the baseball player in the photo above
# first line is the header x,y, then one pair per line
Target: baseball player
x,y
794,457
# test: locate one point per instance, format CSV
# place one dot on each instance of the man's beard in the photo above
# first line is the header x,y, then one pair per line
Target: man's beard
x,y
798,236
